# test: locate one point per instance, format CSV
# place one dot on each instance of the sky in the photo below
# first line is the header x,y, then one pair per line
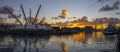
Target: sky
x,y
52,8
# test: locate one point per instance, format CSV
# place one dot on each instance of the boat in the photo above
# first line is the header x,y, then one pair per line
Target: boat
x,y
110,30
65,31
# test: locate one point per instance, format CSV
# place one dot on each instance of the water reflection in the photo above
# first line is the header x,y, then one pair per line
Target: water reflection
x,y
63,47
81,42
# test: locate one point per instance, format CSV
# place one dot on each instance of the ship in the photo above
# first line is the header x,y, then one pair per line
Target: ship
x,y
110,30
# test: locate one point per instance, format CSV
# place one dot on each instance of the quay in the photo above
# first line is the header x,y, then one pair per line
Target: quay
x,y
117,45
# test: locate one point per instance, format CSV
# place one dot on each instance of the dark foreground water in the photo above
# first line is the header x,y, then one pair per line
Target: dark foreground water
x,y
80,42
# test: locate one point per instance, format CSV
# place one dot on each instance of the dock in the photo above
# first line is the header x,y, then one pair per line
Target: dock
x,y
117,46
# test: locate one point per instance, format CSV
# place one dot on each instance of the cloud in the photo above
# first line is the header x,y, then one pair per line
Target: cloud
x,y
110,8
117,13
83,19
116,5
54,18
113,20
106,8
63,14
4,11
10,16
101,1
110,20
74,17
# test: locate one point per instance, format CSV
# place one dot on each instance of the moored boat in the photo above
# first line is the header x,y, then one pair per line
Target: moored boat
x,y
110,30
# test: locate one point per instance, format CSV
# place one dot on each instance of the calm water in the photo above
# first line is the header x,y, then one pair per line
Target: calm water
x,y
81,42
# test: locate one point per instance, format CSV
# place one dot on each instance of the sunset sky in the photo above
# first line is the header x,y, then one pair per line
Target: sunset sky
x,y
77,8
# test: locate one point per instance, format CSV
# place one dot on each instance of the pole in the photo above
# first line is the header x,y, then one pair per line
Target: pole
x,y
30,16
14,16
37,15
24,15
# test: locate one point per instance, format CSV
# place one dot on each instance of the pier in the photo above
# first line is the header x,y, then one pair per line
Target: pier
x,y
117,45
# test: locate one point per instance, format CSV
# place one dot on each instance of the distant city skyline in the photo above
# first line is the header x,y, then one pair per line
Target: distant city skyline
x,y
76,8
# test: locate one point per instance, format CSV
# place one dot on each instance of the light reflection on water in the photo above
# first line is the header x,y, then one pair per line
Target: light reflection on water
x,y
80,42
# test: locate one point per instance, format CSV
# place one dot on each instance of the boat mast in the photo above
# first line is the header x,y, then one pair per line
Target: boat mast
x,y
24,15
14,16
36,16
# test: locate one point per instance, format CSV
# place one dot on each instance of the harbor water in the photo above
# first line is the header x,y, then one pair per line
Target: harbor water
x,y
80,42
